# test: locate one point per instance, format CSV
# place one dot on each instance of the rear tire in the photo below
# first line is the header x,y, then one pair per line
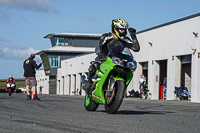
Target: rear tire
x,y
113,106
89,104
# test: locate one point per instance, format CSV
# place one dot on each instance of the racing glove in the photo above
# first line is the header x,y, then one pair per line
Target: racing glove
x,y
132,30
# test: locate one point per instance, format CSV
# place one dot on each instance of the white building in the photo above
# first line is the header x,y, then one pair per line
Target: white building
x,y
64,46
169,50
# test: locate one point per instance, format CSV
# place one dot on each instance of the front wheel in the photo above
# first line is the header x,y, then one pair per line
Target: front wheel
x,y
113,102
10,91
89,104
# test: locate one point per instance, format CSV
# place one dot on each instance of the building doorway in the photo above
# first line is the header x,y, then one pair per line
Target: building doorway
x,y
163,74
163,71
63,80
160,72
52,84
80,84
69,84
186,72
145,70
74,84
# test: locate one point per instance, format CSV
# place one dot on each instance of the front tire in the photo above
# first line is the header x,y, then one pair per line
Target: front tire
x,y
10,92
89,104
112,106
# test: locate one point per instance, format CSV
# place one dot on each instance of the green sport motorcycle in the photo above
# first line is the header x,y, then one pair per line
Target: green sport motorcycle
x,y
111,80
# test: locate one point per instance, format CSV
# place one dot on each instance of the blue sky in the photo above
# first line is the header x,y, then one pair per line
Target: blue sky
x,y
24,23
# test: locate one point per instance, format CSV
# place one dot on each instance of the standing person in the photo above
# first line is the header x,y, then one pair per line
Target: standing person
x,y
29,74
142,81
107,40
165,88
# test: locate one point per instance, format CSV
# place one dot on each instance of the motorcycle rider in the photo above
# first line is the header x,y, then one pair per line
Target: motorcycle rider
x,y
11,80
107,40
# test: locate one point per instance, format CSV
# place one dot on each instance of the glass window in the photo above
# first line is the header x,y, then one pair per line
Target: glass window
x,y
70,40
59,41
54,61
59,61
50,61
54,84
66,42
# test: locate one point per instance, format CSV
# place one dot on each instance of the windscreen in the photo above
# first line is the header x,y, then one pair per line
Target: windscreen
x,y
121,52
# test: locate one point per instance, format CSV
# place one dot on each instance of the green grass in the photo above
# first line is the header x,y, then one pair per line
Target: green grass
x,y
18,82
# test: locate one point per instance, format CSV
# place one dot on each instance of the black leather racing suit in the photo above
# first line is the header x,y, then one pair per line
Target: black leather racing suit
x,y
108,40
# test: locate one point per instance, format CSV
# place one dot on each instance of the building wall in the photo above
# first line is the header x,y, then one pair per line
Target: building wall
x,y
85,43
71,72
42,81
176,40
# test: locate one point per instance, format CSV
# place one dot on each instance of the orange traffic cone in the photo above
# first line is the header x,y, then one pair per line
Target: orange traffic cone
x,y
31,94
24,92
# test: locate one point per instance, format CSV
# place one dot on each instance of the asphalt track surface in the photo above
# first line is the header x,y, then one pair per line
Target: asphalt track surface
x,y
63,114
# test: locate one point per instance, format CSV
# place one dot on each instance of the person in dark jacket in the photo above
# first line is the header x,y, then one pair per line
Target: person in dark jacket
x,y
108,40
29,74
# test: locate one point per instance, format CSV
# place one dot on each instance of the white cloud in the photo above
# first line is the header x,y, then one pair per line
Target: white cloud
x,y
34,5
16,52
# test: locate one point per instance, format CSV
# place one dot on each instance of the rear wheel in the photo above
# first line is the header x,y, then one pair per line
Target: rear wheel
x,y
89,104
113,102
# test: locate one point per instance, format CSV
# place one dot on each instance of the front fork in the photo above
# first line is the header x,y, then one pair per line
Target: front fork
x,y
111,84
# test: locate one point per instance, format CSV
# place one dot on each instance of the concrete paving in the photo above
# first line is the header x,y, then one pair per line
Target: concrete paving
x,y
63,114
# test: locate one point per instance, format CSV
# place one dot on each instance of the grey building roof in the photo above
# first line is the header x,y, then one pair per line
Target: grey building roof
x,y
66,34
67,49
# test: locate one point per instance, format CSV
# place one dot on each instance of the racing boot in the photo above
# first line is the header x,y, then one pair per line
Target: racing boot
x,y
28,97
87,86
35,97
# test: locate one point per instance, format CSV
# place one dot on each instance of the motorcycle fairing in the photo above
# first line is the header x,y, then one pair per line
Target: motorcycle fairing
x,y
103,72
87,100
98,94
